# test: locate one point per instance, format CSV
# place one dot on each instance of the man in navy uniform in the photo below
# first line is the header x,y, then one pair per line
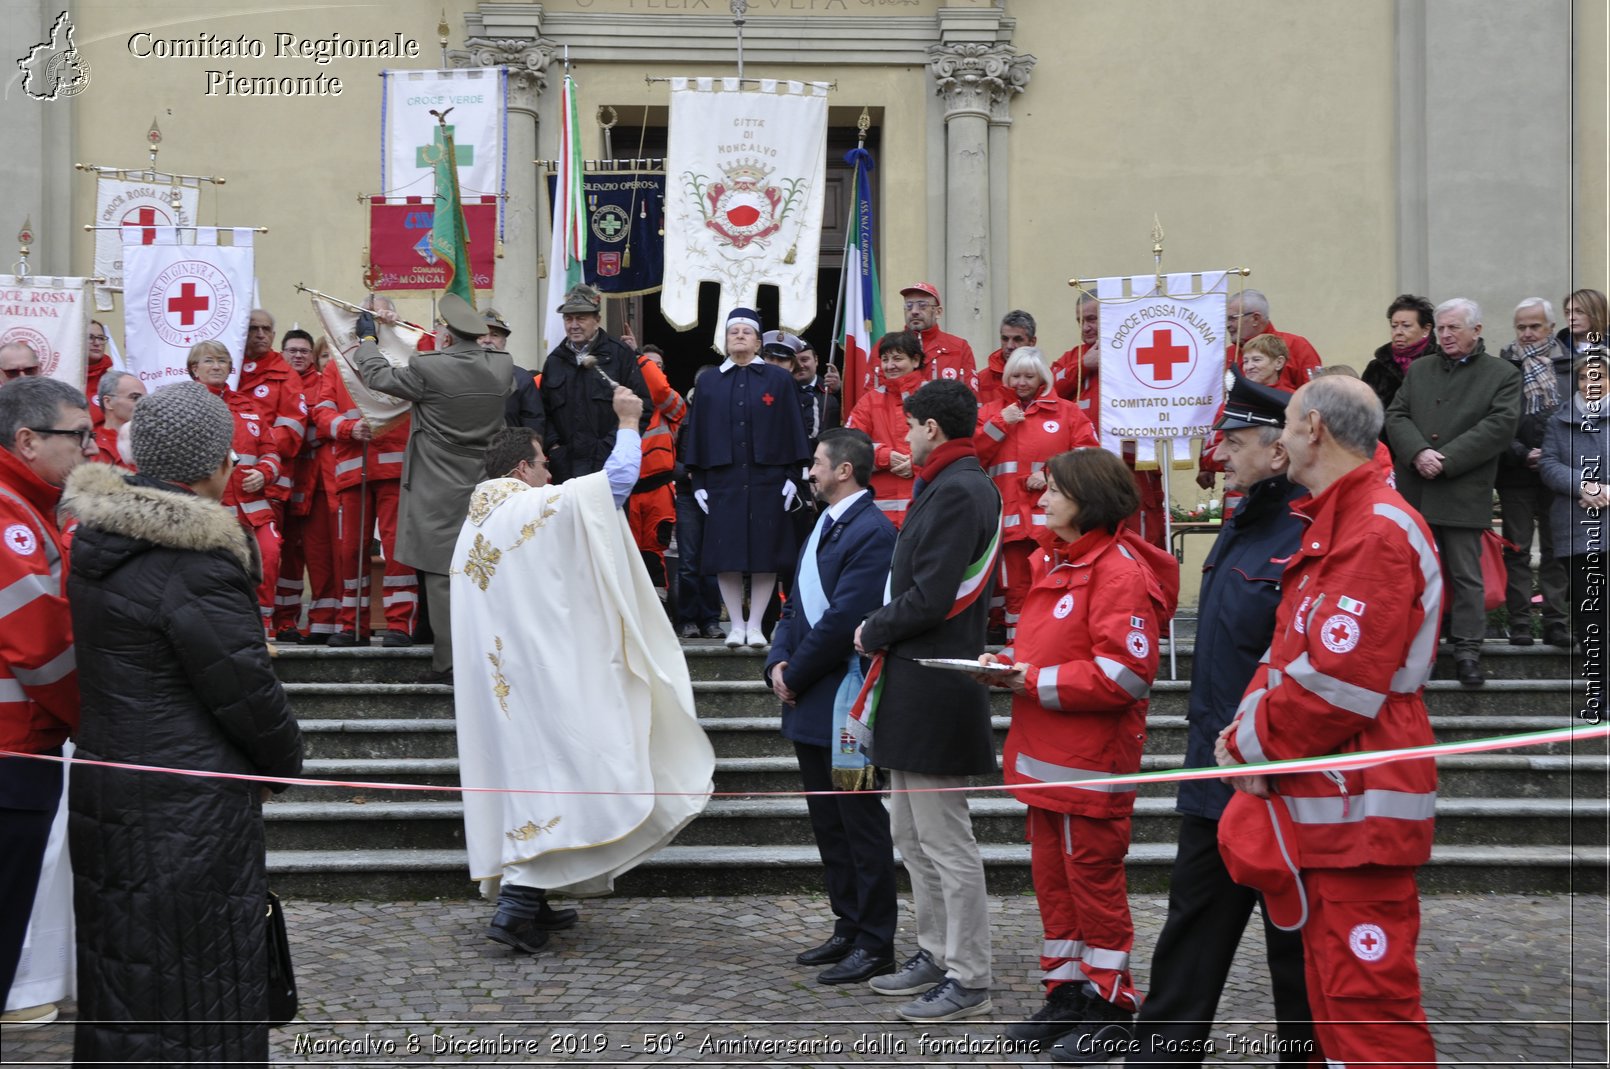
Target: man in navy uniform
x,y
840,578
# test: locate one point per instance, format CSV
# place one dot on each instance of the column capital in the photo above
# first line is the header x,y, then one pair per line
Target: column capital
x,y
526,57
979,78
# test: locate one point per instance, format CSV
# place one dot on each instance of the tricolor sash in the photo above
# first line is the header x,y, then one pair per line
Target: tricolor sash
x,y
863,713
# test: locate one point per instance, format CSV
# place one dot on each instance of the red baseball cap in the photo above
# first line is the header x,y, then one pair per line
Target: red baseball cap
x,y
923,287
1259,844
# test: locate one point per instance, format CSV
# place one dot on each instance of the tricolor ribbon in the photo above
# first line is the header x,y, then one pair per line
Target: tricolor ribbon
x,y
863,714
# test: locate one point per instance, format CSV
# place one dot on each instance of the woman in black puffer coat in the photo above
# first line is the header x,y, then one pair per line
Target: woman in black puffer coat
x,y
169,879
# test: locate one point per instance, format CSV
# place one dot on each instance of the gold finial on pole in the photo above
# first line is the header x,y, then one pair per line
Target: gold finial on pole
x,y
25,238
1157,250
862,125
153,137
442,29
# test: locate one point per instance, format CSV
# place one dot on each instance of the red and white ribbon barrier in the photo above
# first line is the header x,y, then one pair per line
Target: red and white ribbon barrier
x,y
1330,763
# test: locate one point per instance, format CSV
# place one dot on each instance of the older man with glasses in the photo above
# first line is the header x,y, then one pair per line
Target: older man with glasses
x,y
45,432
1246,316
18,360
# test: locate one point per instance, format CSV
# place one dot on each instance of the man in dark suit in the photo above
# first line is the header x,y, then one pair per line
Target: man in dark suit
x,y
931,728
839,579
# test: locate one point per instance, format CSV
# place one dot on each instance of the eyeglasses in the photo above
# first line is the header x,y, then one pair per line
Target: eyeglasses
x,y
17,373
534,463
913,306
97,337
85,436
216,361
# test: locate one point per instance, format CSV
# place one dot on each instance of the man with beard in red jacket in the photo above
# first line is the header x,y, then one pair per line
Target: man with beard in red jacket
x,y
1354,642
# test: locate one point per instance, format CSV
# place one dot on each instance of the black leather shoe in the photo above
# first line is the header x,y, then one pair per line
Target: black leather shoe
x,y
1520,638
397,639
320,639
1469,672
835,949
857,967
343,639
553,920
521,935
289,635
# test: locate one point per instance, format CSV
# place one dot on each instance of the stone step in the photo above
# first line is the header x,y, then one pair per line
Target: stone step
x,y
378,824
752,698
1496,775
333,875
760,736
712,661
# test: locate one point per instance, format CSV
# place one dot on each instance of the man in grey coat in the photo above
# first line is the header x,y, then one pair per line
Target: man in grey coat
x,y
932,727
1452,418
458,394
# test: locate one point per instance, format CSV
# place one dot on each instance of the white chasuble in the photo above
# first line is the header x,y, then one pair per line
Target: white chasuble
x,y
568,678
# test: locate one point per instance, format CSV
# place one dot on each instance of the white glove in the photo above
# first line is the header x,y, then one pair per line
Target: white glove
x,y
702,498
790,495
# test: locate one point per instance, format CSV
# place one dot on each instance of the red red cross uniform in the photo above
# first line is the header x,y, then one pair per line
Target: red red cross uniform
x,y
1089,635
1083,388
309,542
1302,359
881,414
1012,454
336,417
1355,639
945,356
38,675
274,385
92,388
255,451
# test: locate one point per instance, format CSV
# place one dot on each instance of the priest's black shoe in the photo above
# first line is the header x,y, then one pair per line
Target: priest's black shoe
x,y
835,949
857,967
553,920
521,935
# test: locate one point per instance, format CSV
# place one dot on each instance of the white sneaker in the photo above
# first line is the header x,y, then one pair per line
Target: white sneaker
x,y
737,637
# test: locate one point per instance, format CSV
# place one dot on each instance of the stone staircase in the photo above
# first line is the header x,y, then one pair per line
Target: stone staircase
x,y
1531,820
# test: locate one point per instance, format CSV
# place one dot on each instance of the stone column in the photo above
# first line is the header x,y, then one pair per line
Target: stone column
x,y
971,78
1000,127
516,289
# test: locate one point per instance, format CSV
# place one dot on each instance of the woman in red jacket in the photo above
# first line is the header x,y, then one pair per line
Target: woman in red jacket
x,y
1083,665
1016,438
881,413
257,465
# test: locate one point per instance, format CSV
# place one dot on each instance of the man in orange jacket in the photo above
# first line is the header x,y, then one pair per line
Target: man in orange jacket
x,y
276,388
651,510
948,357
1355,640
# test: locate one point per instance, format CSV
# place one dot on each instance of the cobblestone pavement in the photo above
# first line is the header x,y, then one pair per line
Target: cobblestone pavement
x,y
1509,980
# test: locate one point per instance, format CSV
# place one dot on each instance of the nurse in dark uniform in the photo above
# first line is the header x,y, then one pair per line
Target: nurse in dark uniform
x,y
744,440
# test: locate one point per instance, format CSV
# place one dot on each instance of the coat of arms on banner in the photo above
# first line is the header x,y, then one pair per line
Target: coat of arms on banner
x,y
1162,358
746,207
747,171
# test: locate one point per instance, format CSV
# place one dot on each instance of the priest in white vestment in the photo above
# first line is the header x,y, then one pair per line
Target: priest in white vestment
x,y
569,680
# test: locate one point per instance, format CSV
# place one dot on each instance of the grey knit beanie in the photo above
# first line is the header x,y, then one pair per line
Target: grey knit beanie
x,y
181,433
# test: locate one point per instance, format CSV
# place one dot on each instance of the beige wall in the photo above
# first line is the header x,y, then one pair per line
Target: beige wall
x,y
1158,107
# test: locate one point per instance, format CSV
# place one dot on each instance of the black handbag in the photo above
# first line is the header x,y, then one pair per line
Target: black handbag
x,y
281,977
